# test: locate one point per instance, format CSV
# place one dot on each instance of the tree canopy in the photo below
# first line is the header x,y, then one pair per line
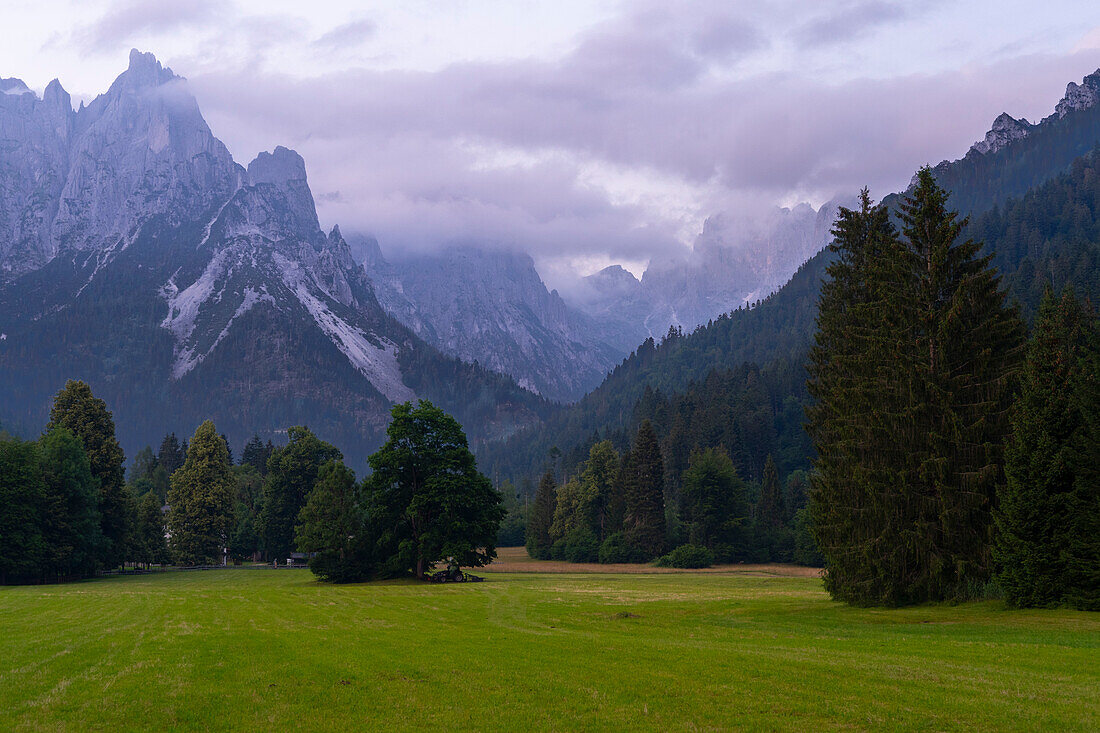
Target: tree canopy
x,y
86,416
428,498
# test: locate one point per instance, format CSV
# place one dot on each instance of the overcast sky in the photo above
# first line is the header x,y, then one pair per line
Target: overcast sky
x,y
583,132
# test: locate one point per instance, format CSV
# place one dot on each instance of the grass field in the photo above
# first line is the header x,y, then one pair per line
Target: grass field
x,y
262,649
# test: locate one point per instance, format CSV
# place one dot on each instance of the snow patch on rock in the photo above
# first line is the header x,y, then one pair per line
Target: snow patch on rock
x,y
377,362
183,305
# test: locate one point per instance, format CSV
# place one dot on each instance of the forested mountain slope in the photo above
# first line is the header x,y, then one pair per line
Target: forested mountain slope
x,y
1053,226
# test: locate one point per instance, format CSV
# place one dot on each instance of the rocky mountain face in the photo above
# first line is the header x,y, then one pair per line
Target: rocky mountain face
x,y
492,307
1080,96
80,180
1006,129
136,254
735,261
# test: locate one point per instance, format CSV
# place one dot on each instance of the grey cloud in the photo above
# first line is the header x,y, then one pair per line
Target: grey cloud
x,y
850,20
403,147
723,37
123,20
348,35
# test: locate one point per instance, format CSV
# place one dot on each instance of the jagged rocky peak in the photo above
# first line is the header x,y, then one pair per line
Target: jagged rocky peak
x,y
281,193
144,71
369,252
1080,96
56,95
614,279
278,167
1005,129
13,87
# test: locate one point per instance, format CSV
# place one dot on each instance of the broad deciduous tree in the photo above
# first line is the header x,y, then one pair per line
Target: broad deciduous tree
x,y
429,500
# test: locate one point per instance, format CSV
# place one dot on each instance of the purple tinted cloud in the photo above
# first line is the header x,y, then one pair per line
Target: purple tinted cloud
x,y
348,35
850,20
126,18
401,153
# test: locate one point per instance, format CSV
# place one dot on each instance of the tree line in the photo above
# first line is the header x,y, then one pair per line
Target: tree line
x,y
66,511
618,508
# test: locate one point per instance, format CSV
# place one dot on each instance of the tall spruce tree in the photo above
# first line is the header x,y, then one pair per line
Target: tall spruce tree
x,y
171,454
644,516
23,548
256,453
851,367
541,518
86,416
1049,507
1083,568
200,500
912,375
966,354
770,508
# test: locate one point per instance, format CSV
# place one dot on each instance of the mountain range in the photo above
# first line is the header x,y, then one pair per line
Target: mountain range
x,y
490,306
138,255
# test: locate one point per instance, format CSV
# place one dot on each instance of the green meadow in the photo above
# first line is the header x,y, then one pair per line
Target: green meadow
x,y
263,649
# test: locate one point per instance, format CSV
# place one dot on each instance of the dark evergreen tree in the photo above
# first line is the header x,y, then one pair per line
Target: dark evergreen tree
x,y
1083,546
966,350
541,519
292,472
770,509
332,527
256,453
71,524
849,477
146,474
22,546
616,505
151,541
798,484
244,541
87,417
644,516
171,454
1046,542
427,498
144,464
200,513
715,504
912,375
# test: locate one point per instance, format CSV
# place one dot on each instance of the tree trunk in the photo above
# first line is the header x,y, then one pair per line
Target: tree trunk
x,y
420,567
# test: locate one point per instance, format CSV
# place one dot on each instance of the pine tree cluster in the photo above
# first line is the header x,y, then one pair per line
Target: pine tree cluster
x,y
913,373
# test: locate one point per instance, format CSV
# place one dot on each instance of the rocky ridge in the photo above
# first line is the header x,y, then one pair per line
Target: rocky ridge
x,y
491,306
